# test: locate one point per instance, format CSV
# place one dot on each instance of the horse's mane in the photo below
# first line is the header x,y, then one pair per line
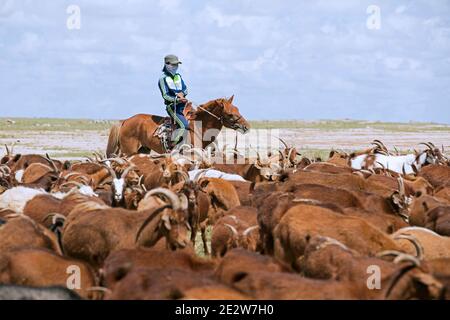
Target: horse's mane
x,y
208,106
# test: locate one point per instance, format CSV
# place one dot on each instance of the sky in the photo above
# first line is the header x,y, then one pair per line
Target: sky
x,y
286,59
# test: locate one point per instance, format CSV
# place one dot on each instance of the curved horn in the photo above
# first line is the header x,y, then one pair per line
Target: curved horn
x,y
112,173
126,171
249,229
169,194
427,144
233,229
284,143
407,257
184,202
183,174
199,173
79,184
415,242
381,145
54,167
120,161
290,153
386,253
401,186
54,216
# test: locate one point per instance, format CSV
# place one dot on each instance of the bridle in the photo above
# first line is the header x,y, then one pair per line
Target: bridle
x,y
221,119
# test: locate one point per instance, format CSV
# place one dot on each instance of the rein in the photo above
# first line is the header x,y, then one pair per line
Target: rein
x,y
221,119
210,113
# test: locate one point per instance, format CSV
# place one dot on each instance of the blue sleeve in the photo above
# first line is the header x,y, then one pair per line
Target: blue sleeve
x,y
165,90
184,88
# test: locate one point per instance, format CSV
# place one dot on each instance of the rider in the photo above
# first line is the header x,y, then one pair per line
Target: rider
x,y
174,92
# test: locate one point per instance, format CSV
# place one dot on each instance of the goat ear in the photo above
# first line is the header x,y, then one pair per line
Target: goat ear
x,y
231,99
17,157
396,199
428,287
331,153
66,165
204,183
178,186
166,219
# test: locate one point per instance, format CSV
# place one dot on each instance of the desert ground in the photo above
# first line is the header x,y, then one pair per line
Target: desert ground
x,y
77,138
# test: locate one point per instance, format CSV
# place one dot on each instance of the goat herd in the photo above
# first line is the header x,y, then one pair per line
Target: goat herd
x,y
373,224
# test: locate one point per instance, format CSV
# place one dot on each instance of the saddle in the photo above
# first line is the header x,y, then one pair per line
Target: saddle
x,y
164,133
168,126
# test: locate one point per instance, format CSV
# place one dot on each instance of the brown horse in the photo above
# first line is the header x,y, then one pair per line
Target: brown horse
x,y
128,136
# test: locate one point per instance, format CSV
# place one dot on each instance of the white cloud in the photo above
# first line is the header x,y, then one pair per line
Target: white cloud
x,y
322,48
400,9
28,43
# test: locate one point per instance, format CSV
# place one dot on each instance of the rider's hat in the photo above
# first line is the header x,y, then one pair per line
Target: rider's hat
x,y
171,59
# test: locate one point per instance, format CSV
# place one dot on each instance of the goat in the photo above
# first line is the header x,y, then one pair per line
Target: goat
x,y
301,222
92,231
433,245
41,268
232,231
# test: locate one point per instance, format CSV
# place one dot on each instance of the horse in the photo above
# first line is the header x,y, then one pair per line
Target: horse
x,y
130,136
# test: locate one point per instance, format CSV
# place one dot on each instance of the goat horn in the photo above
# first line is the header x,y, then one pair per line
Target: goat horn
x,y
281,154
385,253
427,144
249,229
55,169
401,186
126,171
233,229
7,150
415,242
116,159
407,257
170,195
183,174
290,153
102,289
199,173
112,173
79,184
184,202
284,143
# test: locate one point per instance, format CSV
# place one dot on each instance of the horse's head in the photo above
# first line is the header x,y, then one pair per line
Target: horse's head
x,y
231,118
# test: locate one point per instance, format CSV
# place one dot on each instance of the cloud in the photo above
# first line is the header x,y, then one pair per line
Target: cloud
x,y
319,54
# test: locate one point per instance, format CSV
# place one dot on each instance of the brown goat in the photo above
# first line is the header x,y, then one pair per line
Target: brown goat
x,y
301,222
437,175
433,245
40,268
120,262
238,228
169,283
21,231
92,231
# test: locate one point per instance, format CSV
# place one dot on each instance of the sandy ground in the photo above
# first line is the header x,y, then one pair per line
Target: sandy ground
x,y
76,144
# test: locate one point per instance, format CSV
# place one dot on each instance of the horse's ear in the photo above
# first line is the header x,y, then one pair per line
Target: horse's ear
x,y
231,99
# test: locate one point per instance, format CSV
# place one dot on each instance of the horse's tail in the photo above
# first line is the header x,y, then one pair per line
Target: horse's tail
x,y
113,147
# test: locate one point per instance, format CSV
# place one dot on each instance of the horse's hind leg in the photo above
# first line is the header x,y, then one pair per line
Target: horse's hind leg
x,y
129,146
